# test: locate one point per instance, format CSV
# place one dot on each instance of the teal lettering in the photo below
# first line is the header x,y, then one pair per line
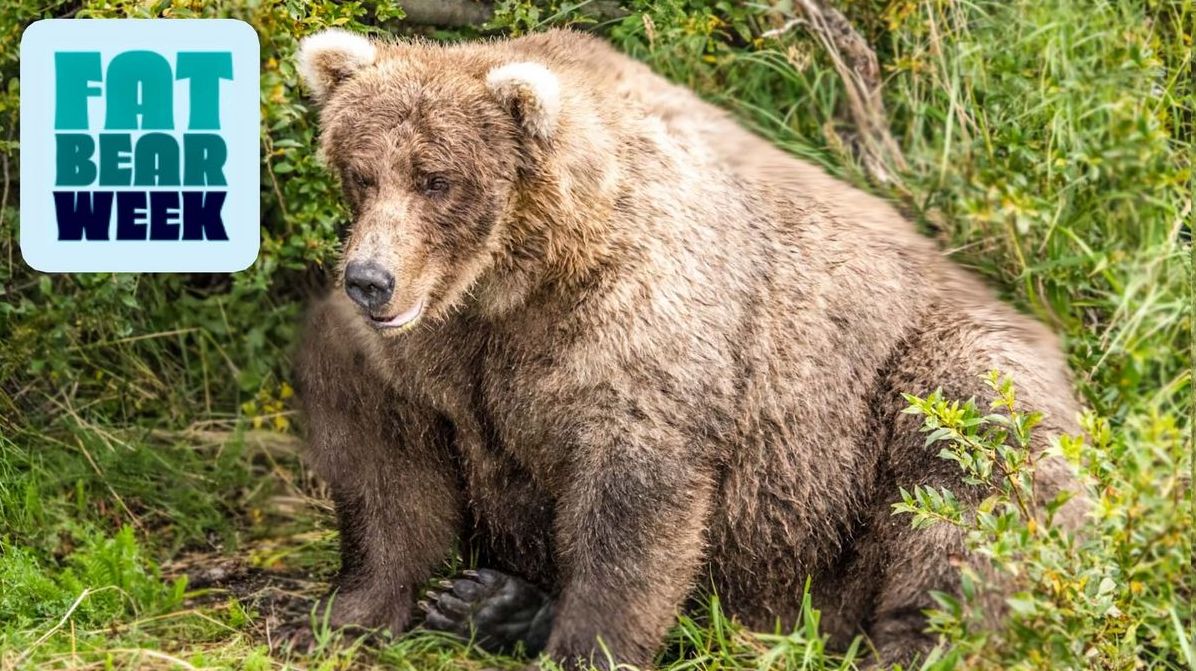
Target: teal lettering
x,y
156,160
74,164
115,154
140,92
205,69
204,156
74,72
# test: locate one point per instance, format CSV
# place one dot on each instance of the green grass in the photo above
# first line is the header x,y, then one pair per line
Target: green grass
x,y
153,512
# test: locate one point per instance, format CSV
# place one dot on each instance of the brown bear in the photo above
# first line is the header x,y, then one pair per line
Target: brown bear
x,y
625,350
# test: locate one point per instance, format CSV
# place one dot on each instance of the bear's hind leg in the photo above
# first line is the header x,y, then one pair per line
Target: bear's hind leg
x,y
911,563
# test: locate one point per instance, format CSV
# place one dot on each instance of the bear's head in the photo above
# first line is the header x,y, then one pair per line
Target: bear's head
x,y
429,143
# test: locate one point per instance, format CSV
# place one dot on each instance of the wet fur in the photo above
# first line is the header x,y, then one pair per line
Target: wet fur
x,y
664,356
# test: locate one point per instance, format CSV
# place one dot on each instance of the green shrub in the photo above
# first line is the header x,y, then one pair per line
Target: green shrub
x,y
1115,596
104,580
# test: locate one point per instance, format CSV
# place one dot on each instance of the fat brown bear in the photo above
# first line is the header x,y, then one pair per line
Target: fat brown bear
x,y
623,351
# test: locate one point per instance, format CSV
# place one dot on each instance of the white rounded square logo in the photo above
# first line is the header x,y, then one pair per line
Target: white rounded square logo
x,y
139,145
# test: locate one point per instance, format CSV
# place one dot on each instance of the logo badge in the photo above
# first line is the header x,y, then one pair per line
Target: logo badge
x,y
139,145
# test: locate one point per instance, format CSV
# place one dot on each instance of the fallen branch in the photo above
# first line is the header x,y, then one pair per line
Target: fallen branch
x,y
447,13
857,66
458,13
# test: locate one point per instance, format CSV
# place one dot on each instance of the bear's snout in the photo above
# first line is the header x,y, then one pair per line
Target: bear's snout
x,y
369,285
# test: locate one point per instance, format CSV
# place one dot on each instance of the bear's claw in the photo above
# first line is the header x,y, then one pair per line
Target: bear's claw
x,y
498,612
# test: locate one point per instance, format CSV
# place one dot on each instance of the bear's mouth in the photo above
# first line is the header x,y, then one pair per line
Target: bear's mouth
x,y
405,318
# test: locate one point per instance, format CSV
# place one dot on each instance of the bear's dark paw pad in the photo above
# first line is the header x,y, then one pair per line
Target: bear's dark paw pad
x,y
498,612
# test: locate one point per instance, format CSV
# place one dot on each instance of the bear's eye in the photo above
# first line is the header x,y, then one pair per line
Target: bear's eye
x,y
435,185
360,180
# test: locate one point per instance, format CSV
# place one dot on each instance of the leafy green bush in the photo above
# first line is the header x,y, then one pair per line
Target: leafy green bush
x,y
105,579
169,352
1116,595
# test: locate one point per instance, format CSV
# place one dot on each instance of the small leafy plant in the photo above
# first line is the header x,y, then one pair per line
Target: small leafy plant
x,y
1074,600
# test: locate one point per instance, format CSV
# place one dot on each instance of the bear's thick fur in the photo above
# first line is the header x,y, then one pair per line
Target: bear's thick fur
x,y
625,349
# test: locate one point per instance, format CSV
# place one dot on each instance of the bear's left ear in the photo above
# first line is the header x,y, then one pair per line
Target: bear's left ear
x,y
332,56
530,93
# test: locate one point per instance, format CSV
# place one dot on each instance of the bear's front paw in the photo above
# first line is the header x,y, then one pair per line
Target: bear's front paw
x,y
495,610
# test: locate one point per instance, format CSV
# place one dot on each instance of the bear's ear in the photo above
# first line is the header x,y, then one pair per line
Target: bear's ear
x,y
530,93
332,56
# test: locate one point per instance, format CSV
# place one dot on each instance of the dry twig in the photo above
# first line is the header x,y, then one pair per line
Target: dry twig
x,y
859,69
458,13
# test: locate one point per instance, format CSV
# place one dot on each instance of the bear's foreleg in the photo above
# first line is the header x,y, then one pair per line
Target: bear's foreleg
x,y
630,534
388,463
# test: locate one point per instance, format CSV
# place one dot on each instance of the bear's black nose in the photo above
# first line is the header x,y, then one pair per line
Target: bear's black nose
x,y
368,284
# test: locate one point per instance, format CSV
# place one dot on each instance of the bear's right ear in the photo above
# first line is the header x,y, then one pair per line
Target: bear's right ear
x,y
331,57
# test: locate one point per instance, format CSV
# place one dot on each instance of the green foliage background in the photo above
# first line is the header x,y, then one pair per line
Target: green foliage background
x,y
146,421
